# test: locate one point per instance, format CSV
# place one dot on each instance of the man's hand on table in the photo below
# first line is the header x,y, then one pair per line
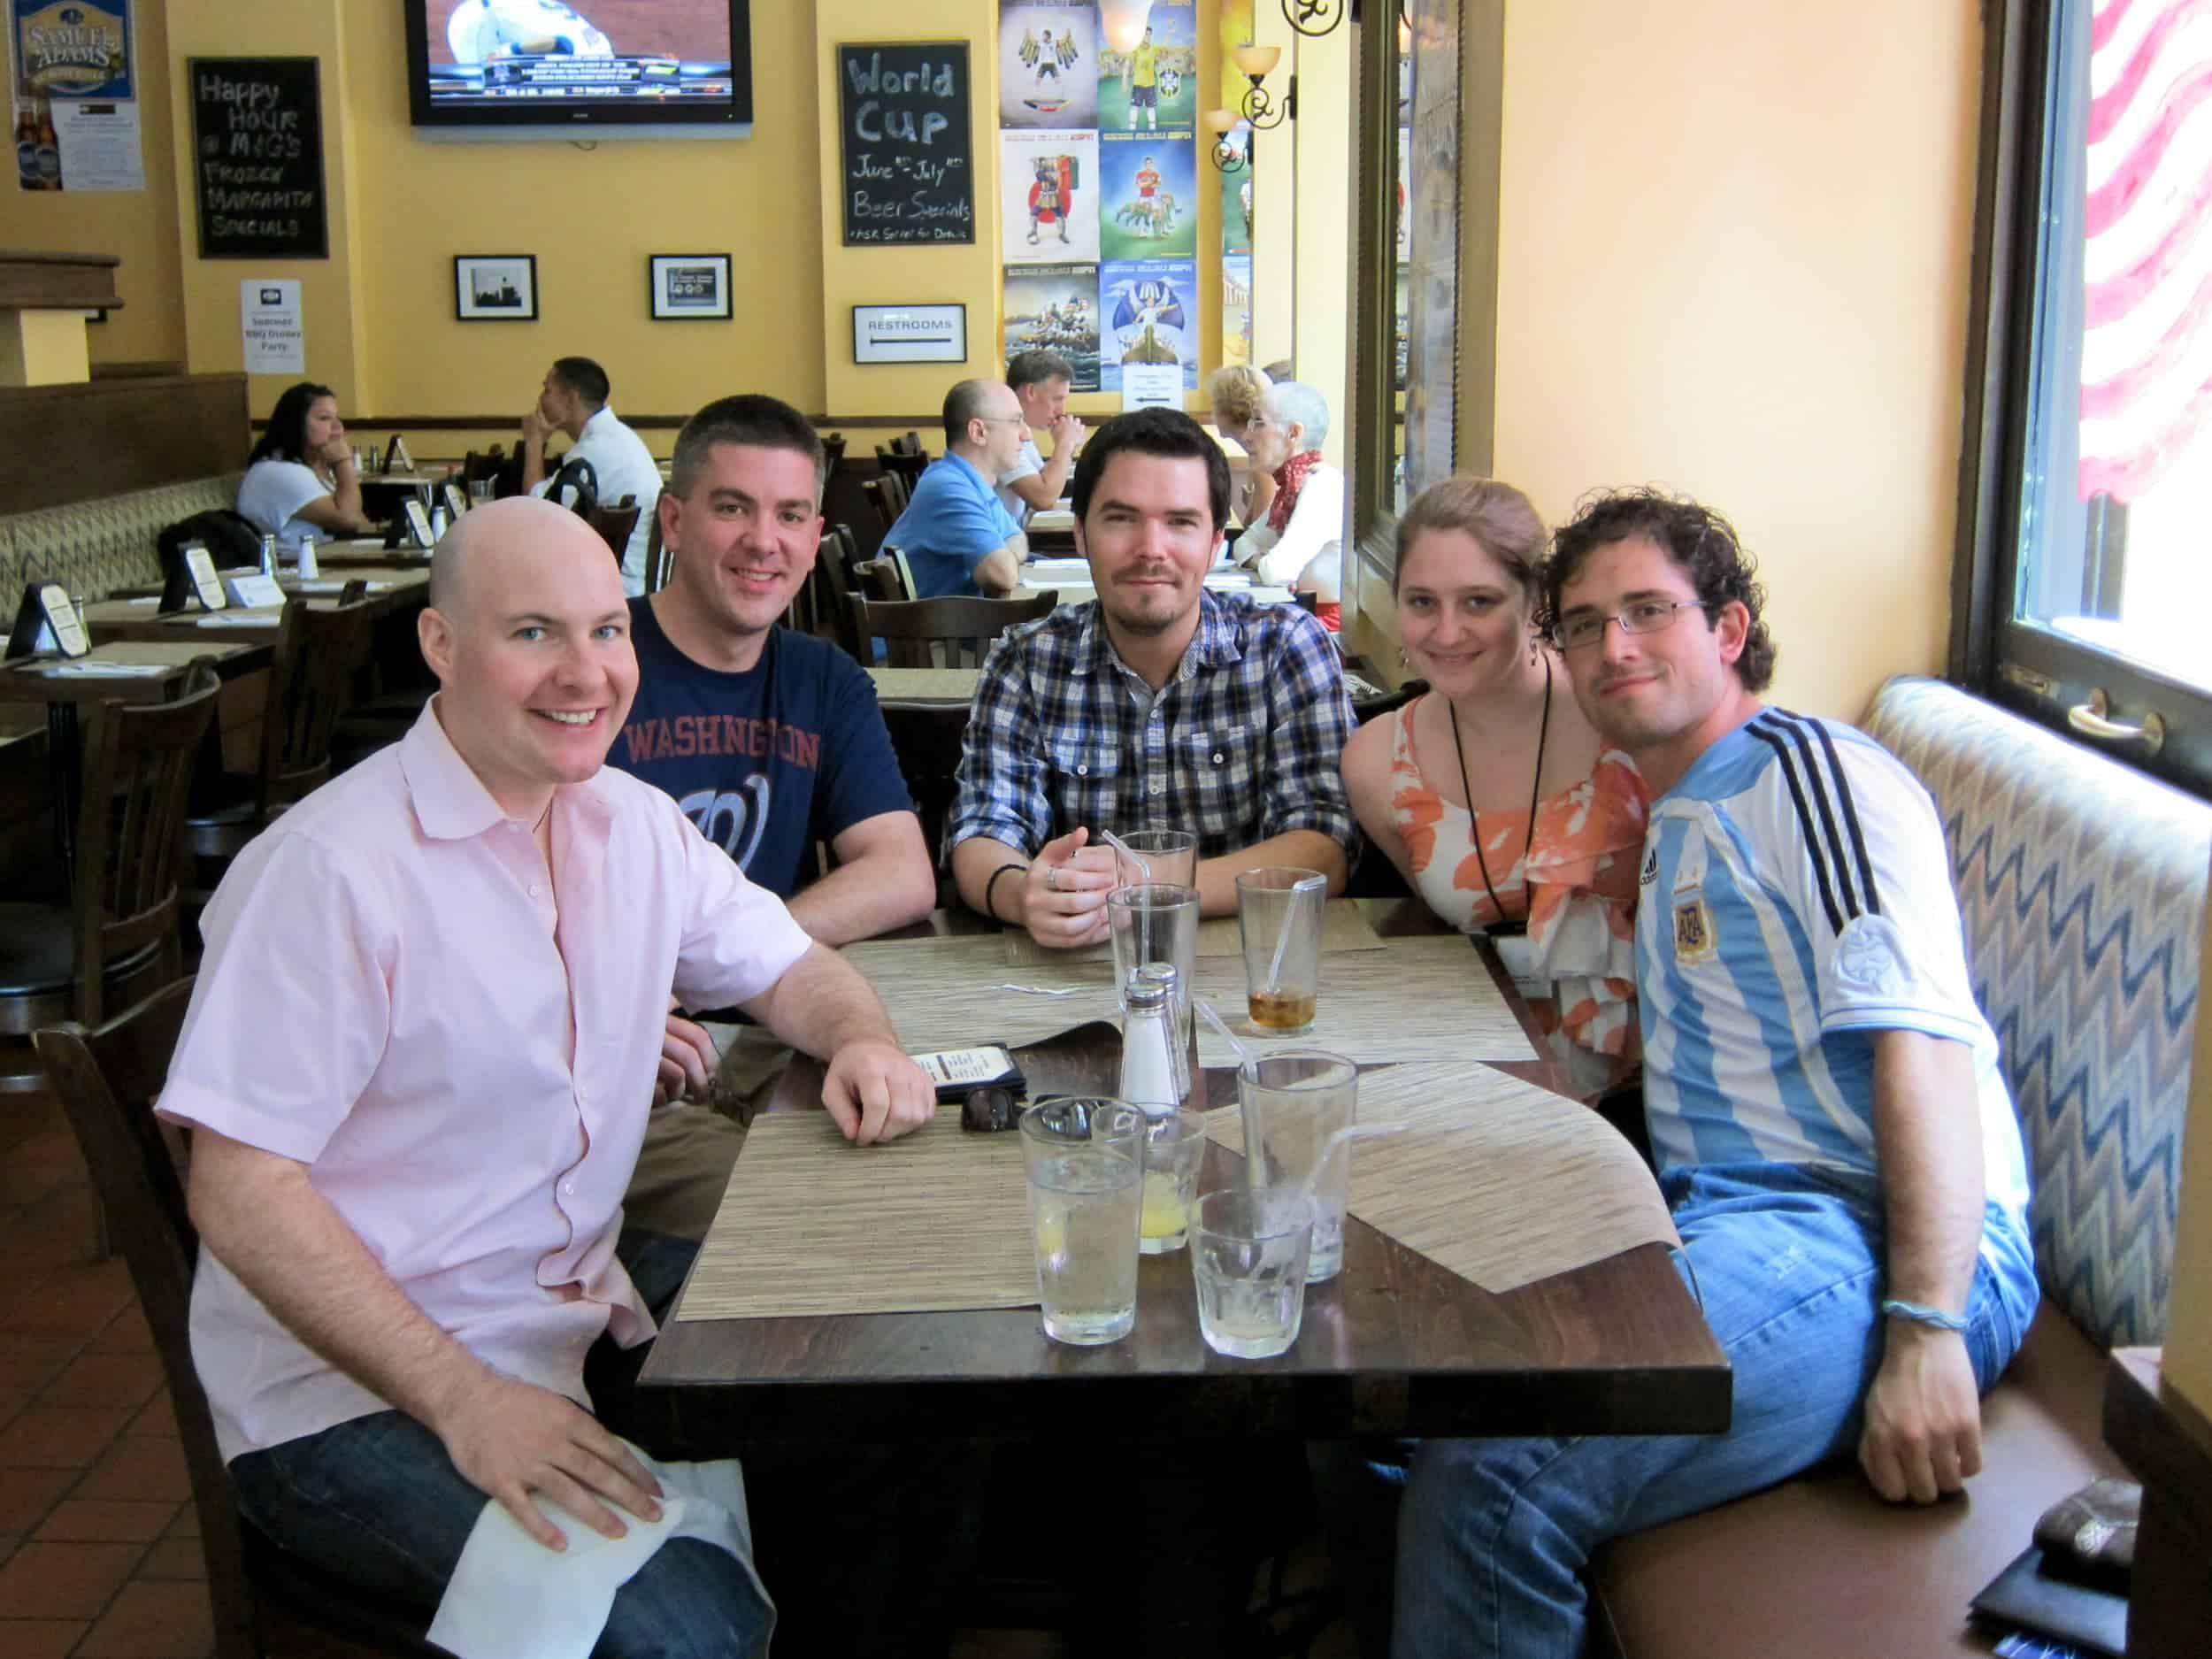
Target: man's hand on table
x,y
510,1438
875,1093
687,1061
1064,893
1922,1436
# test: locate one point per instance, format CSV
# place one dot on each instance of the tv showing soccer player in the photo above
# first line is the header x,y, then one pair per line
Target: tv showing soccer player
x,y
551,61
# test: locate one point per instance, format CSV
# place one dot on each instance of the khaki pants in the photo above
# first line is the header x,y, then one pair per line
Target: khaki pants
x,y
691,1149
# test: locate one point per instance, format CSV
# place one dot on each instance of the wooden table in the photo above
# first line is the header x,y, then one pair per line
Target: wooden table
x,y
932,687
63,693
1394,1345
391,587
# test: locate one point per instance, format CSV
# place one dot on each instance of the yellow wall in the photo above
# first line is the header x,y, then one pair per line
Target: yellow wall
x,y
139,226
1734,240
2188,1365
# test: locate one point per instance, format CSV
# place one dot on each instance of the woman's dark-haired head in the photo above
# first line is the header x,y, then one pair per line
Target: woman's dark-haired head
x,y
1700,542
285,438
1169,433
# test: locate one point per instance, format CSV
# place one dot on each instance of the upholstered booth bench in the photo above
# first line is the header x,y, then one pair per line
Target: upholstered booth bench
x,y
2082,884
94,546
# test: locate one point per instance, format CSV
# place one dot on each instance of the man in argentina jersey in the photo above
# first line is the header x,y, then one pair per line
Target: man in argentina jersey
x,y
1830,1127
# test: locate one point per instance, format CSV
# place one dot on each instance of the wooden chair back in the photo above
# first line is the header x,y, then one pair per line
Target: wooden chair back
x,y
887,494
907,465
659,559
615,524
107,1077
476,468
832,453
317,653
885,577
960,630
138,762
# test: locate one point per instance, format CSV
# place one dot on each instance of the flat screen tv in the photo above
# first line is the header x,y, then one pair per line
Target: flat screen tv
x,y
528,68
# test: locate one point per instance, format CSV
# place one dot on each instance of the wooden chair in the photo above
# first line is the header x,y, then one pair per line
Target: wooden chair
x,y
310,681
659,560
819,608
907,465
962,628
832,453
615,524
265,1600
887,577
116,938
887,494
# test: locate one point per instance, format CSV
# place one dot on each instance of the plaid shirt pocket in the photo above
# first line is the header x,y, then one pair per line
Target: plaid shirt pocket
x,y
1086,785
1218,782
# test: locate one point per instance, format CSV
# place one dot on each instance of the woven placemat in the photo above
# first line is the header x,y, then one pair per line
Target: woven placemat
x,y
1500,1181
935,1220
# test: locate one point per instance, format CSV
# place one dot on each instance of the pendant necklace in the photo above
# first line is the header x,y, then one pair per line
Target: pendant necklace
x,y
1501,927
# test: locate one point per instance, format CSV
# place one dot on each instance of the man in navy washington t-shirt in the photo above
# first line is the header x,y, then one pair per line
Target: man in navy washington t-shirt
x,y
769,741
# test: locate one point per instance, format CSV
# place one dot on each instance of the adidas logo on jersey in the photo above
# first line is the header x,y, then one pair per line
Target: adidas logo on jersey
x,y
1651,869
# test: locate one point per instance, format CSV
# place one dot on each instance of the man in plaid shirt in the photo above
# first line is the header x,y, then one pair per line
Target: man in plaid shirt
x,y
1158,705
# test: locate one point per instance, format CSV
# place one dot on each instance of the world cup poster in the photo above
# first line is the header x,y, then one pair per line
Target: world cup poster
x,y
1047,64
1236,309
1055,308
1147,204
1150,308
1155,84
1048,185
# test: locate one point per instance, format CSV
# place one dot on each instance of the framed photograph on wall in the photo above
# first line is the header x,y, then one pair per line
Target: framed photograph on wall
x,y
689,287
495,288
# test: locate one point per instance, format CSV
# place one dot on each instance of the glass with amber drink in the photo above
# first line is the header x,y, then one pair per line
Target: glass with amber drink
x,y
1278,920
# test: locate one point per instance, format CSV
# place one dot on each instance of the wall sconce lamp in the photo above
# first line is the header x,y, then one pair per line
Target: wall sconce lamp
x,y
1123,23
1255,109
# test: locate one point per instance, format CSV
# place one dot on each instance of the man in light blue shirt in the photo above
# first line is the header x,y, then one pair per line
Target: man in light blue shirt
x,y
957,534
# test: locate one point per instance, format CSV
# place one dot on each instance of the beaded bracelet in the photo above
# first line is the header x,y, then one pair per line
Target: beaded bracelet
x,y
1011,864
1919,1314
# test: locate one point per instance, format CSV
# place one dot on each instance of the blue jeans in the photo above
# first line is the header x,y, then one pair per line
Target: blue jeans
x,y
377,1502
1493,1535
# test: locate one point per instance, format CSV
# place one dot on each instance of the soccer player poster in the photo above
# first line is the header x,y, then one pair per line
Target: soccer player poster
x,y
1047,64
1154,84
1147,203
1055,307
1150,308
1048,185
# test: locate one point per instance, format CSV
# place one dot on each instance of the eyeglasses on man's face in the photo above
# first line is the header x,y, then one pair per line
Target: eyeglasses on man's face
x,y
1583,630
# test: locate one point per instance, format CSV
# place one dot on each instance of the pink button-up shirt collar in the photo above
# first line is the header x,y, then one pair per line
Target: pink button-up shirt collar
x,y
461,1052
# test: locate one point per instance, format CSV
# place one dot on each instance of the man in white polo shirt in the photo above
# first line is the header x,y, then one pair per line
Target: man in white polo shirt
x,y
575,401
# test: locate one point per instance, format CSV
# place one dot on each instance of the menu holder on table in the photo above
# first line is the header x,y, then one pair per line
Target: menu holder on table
x,y
1343,927
256,589
191,575
1500,1181
47,619
419,531
810,1207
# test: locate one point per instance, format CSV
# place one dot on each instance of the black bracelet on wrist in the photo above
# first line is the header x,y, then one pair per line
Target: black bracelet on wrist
x,y
1011,864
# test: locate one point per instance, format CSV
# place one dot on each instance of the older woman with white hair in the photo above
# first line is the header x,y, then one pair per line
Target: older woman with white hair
x,y
1300,545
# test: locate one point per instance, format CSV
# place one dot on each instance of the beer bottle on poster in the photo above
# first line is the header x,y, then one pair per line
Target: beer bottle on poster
x,y
49,150
26,148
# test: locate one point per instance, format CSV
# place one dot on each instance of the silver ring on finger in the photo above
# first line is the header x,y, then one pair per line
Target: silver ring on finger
x,y
1052,882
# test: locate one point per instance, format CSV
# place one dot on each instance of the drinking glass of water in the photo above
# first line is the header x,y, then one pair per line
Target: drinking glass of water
x,y
1247,1254
1084,1158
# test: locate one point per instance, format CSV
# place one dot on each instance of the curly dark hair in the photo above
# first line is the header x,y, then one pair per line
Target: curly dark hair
x,y
1697,538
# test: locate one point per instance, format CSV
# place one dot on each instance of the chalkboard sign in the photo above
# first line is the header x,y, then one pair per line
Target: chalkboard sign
x,y
908,177
257,158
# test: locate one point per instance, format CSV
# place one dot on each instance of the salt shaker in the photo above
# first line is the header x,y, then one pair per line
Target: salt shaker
x,y
1151,1062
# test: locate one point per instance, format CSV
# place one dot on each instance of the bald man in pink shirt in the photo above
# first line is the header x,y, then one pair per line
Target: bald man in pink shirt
x,y
418,1066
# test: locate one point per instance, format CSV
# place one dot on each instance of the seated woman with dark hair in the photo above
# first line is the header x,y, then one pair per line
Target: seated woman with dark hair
x,y
1492,794
299,482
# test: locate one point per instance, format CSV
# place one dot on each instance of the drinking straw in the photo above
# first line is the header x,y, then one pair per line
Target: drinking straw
x,y
1342,1137
1282,933
1244,1055
1144,910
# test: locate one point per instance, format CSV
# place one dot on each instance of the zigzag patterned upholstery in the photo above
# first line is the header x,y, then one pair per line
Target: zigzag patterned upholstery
x,y
94,546
2081,885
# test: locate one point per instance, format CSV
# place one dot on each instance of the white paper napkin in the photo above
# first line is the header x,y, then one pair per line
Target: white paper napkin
x,y
512,1598
106,671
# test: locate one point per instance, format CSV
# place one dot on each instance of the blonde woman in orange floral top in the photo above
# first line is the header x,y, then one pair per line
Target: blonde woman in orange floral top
x,y
1500,806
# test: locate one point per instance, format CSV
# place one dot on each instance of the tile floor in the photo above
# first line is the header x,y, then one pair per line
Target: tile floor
x,y
99,1548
